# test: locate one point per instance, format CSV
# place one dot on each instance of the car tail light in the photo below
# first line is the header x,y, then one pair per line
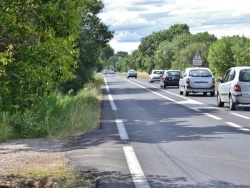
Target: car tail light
x,y
237,88
165,78
187,81
213,81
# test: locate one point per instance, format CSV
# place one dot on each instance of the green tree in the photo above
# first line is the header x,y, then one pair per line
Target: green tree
x,y
43,55
220,56
185,57
93,38
241,50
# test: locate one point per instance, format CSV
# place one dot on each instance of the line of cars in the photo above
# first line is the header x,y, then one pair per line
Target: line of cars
x,y
233,88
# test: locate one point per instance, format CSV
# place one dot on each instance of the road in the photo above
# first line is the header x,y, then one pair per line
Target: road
x,y
154,137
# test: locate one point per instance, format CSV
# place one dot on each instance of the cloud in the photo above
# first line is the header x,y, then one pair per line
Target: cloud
x,y
134,19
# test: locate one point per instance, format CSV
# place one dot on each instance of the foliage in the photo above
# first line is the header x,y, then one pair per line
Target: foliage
x,y
56,115
41,37
46,45
150,43
93,38
185,57
220,56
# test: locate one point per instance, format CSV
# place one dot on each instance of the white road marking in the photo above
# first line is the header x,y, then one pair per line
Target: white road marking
x,y
107,87
153,91
212,116
112,102
237,126
239,115
135,169
121,129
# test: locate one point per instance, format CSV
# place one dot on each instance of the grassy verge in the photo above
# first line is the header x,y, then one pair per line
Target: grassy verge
x,y
57,116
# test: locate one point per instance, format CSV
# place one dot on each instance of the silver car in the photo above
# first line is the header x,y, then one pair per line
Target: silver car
x,y
234,87
132,73
197,80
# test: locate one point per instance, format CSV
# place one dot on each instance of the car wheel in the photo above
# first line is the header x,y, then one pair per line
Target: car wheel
x,y
219,103
212,93
232,104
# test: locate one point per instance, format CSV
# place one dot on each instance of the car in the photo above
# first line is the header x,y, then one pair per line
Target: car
x,y
155,76
132,73
234,87
197,80
170,78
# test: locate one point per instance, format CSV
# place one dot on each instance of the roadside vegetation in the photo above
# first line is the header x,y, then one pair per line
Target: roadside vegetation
x,y
56,115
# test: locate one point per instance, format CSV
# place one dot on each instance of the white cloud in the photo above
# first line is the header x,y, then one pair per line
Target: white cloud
x,y
134,19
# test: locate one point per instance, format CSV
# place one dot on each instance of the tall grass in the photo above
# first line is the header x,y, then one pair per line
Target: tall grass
x,y
56,115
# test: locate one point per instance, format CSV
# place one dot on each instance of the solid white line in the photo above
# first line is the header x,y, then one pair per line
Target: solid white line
x,y
237,126
212,116
135,169
239,115
121,129
112,102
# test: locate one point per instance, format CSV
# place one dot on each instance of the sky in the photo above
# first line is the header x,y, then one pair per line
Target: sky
x,y
131,20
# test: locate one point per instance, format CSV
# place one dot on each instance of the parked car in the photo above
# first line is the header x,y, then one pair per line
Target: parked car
x,y
197,80
155,75
132,73
170,78
234,87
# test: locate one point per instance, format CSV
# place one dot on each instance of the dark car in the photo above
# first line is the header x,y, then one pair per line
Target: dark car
x,y
132,73
170,78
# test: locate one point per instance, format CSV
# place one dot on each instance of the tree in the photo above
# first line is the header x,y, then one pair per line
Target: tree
x,y
42,37
241,50
185,57
93,37
220,56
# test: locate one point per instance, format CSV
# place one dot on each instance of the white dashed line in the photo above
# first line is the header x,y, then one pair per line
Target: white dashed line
x,y
135,169
212,116
121,129
237,126
107,87
112,102
245,117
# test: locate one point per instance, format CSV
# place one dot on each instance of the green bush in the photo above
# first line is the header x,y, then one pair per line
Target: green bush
x,y
56,115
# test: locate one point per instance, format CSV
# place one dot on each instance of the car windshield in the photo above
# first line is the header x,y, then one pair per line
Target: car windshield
x,y
200,73
244,75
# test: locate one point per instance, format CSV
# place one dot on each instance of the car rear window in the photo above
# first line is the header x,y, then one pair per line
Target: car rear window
x,y
244,75
200,73
174,73
157,72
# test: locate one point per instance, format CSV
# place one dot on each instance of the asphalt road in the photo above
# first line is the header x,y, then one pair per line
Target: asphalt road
x,y
154,137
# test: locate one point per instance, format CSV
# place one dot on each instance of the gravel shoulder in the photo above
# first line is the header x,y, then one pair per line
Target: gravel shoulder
x,y
22,155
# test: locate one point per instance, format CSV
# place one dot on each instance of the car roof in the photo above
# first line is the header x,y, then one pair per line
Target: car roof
x,y
172,70
193,68
241,67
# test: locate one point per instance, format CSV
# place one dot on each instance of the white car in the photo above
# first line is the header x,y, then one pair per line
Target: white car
x,y
155,75
234,87
197,80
